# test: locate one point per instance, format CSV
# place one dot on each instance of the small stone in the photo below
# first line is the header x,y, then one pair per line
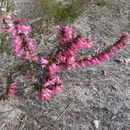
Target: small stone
x,y
104,72
3,9
127,61
96,123
114,87
118,61
28,90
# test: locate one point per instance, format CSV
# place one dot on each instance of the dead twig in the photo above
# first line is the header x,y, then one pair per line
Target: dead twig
x,y
62,112
45,124
22,122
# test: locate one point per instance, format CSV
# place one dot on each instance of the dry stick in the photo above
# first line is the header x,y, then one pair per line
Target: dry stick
x,y
6,111
9,68
45,124
62,112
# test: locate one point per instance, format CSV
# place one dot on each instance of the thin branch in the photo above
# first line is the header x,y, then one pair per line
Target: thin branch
x,y
45,124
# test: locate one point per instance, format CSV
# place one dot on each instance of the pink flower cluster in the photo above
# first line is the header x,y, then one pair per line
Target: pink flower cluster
x,y
22,44
50,84
9,92
105,55
1,19
65,59
66,56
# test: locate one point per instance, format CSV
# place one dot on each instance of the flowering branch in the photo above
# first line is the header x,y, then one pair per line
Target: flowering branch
x,y
21,43
63,59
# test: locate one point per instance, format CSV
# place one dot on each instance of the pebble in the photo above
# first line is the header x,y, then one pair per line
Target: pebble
x,y
96,123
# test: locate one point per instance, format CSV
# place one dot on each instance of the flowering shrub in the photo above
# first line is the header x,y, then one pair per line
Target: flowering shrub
x,y
21,43
64,58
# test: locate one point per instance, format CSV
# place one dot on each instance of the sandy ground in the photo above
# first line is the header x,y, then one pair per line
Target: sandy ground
x,y
78,107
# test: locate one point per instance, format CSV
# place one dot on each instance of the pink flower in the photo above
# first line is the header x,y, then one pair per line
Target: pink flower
x,y
45,94
29,44
125,36
19,52
60,58
52,81
57,27
84,44
13,17
67,33
54,68
103,57
44,62
36,97
22,21
114,48
58,80
93,88
11,92
11,30
13,85
28,76
7,20
3,30
58,89
48,83
97,49
97,60
69,52
64,34
10,99
71,60
34,57
1,19
74,47
16,41
23,29
104,72
93,61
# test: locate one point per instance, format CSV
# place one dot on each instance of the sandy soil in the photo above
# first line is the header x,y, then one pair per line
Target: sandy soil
x,y
78,107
